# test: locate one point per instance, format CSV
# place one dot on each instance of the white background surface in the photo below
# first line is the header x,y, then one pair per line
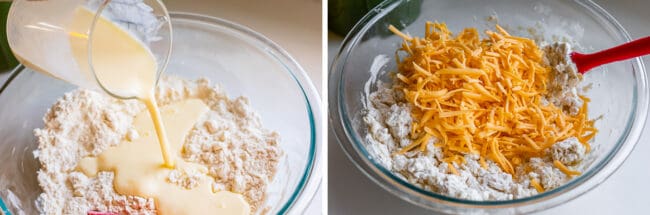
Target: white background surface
x,y
295,25
627,191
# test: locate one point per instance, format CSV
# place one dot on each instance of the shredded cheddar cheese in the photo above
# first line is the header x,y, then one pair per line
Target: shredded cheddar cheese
x,y
453,170
536,185
565,169
482,97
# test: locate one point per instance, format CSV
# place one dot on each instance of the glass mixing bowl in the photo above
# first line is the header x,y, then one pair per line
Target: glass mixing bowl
x,y
227,54
619,92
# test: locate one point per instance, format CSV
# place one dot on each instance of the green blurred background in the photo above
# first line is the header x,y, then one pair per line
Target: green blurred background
x,y
342,15
7,60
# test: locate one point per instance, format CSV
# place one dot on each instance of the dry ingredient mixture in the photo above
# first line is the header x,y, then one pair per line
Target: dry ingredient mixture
x,y
230,141
492,119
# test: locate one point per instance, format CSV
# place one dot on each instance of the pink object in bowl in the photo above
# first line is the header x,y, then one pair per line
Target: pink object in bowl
x,y
100,213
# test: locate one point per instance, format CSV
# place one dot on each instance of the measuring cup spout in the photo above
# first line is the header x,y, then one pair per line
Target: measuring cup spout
x,y
55,37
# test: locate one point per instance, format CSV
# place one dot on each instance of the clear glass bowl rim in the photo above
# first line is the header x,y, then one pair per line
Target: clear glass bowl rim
x,y
354,147
310,178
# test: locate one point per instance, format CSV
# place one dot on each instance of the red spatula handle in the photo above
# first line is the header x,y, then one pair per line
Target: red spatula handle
x,y
633,49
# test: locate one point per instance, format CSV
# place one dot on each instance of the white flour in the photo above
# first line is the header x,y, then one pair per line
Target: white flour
x,y
389,122
562,90
229,140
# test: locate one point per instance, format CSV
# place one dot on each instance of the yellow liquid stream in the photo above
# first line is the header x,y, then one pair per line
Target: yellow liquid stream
x,y
124,66
121,63
139,171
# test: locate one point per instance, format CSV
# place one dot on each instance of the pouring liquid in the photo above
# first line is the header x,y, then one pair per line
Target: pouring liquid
x,y
126,67
122,64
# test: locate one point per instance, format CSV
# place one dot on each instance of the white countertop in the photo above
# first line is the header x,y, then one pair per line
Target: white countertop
x,y
295,25
351,192
3,77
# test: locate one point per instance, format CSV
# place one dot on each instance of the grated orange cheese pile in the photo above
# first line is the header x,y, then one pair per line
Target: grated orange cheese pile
x,y
482,97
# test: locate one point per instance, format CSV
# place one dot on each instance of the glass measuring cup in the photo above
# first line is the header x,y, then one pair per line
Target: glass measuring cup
x,y
39,33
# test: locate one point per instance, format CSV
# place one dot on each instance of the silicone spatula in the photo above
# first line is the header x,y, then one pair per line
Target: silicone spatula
x,y
636,48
